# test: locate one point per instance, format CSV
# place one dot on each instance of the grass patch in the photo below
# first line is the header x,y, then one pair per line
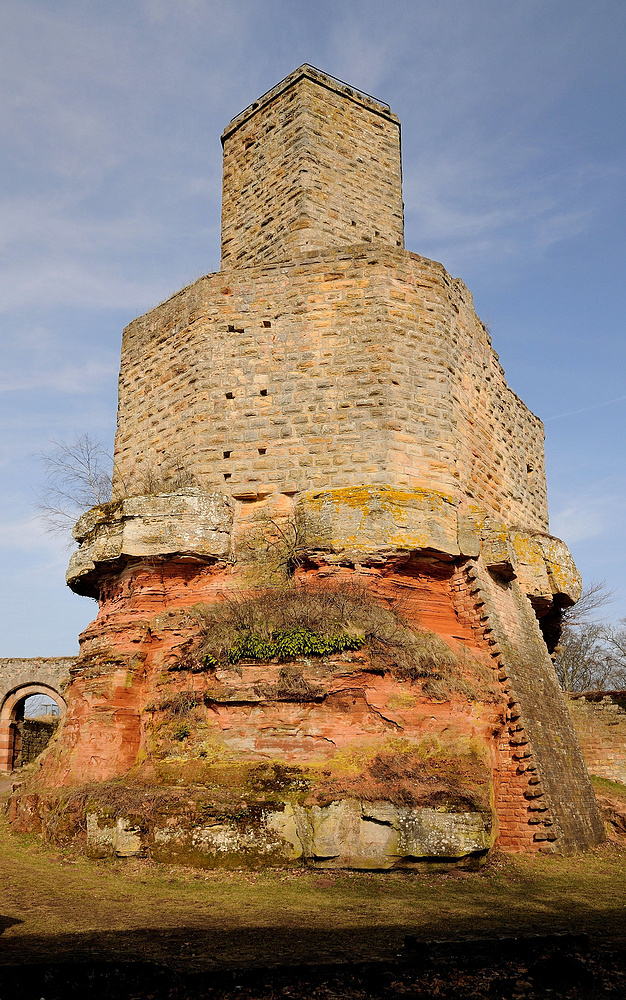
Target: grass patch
x,y
62,902
606,787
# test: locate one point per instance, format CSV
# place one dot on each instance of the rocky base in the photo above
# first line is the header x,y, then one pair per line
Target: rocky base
x,y
358,682
186,826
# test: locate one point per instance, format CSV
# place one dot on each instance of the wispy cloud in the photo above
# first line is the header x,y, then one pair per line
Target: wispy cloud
x,y
111,114
598,510
586,409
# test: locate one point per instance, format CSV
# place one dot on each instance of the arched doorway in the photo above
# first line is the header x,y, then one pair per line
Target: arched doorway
x,y
29,717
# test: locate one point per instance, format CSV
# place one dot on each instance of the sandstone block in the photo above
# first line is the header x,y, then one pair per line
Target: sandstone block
x,y
106,836
480,533
358,523
532,572
564,576
187,522
345,833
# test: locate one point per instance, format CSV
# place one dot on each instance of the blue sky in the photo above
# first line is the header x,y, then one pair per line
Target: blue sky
x,y
514,159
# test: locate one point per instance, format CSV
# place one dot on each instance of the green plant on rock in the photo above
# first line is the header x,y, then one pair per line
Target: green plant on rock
x,y
180,731
301,619
287,644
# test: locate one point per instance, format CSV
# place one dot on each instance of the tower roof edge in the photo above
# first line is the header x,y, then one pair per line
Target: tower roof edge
x,y
323,79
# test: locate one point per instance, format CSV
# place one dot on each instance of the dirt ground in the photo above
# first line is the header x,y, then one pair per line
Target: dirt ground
x,y
132,928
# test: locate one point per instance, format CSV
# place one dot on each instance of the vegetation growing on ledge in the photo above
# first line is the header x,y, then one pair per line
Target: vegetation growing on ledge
x,y
285,644
301,620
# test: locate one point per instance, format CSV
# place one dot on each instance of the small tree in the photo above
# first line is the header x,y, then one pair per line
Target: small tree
x,y
77,476
582,661
616,643
591,654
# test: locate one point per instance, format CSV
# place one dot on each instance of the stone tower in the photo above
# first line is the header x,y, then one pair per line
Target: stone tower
x,y
333,392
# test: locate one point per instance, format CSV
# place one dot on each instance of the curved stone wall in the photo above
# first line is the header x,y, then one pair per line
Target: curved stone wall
x,y
357,367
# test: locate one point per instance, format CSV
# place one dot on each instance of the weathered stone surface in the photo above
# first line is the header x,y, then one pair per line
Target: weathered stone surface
x,y
599,719
483,534
532,571
107,836
355,834
367,525
376,521
538,724
613,810
186,522
347,834
564,576
545,567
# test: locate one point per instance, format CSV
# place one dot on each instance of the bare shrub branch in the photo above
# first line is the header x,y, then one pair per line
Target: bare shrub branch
x,y
591,654
77,476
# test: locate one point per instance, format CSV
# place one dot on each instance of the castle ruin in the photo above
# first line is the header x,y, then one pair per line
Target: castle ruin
x,y
330,397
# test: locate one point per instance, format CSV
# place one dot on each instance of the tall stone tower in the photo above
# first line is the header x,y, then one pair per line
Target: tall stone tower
x,y
331,396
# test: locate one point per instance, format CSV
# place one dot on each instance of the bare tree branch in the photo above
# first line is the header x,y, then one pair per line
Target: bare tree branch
x,y
591,654
77,476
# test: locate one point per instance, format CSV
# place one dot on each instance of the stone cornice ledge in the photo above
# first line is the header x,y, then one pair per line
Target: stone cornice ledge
x,y
364,525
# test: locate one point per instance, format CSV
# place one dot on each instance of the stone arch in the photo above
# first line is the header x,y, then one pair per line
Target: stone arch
x,y
10,737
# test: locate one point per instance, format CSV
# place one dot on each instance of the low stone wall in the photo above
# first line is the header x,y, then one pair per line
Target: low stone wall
x,y
35,735
599,719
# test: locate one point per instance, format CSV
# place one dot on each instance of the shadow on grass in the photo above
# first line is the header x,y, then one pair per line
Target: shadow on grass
x,y
6,922
189,963
204,946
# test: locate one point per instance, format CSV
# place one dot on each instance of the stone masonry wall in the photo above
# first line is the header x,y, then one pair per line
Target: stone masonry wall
x,y
20,677
360,367
313,164
600,724
35,734
48,671
545,795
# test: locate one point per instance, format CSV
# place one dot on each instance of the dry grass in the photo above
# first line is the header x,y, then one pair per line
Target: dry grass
x,y
604,786
332,610
57,903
